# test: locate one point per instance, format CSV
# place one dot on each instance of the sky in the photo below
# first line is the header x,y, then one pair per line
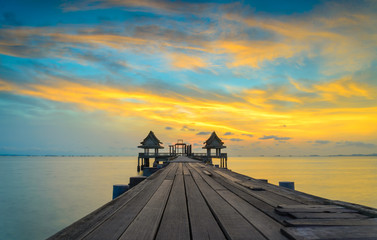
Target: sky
x,y
270,77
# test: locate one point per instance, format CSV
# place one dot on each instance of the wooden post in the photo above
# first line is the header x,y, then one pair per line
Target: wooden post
x,y
136,180
290,185
119,189
138,164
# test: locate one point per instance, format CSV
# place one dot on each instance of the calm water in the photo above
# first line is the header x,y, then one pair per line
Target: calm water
x,y
41,195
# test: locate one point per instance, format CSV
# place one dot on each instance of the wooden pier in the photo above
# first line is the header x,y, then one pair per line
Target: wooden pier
x,y
190,200
151,142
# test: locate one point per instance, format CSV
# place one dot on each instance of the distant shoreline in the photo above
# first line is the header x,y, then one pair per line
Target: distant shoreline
x,y
103,155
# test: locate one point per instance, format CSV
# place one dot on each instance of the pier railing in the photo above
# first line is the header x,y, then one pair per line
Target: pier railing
x,y
222,155
154,155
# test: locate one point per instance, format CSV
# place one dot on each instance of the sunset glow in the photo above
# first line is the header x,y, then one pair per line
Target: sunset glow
x,y
93,77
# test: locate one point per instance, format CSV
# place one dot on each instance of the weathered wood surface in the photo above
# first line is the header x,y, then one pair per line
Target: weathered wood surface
x,y
333,232
332,222
190,200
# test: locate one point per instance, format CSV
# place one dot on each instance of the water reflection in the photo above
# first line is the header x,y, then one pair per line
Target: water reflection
x,y
352,179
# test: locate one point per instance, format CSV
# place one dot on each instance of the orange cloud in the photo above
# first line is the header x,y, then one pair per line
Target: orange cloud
x,y
180,60
331,91
339,40
257,112
253,53
346,42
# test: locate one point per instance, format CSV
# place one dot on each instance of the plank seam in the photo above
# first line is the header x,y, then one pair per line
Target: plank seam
x,y
113,213
210,208
187,204
217,191
166,203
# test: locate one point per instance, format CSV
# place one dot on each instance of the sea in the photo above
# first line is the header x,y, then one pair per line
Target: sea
x,y
41,195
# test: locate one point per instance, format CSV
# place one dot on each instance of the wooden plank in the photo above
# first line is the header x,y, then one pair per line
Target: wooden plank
x,y
249,197
312,206
117,223
215,185
180,169
268,197
327,215
273,198
342,232
314,210
227,176
267,226
171,174
175,221
203,224
332,222
87,224
291,194
232,223
147,221
185,170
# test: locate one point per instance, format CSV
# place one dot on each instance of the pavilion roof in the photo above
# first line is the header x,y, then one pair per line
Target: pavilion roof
x,y
214,142
151,141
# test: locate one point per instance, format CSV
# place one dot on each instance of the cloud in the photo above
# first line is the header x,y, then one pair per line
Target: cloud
x,y
168,107
185,128
228,133
237,47
249,135
274,137
312,35
254,53
236,139
356,144
345,87
160,7
168,128
230,113
322,142
208,43
184,61
203,133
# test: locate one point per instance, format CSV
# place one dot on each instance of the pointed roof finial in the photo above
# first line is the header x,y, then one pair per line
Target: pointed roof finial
x,y
151,141
214,142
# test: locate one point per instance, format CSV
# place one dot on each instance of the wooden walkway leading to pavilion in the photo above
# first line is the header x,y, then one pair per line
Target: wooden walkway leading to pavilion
x,y
190,200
